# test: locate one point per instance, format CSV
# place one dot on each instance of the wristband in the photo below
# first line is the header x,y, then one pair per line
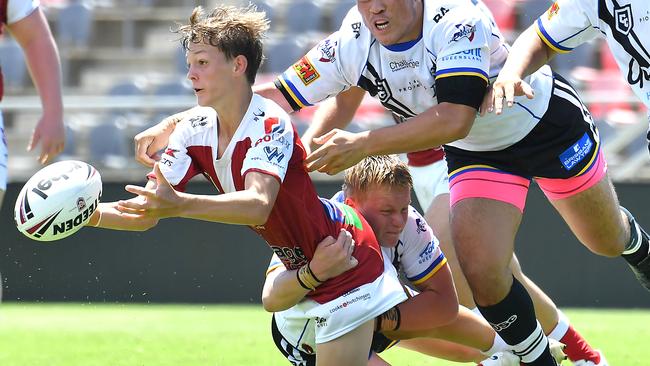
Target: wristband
x,y
307,279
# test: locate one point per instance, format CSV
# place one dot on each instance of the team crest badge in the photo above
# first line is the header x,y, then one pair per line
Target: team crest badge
x,y
306,71
554,9
624,21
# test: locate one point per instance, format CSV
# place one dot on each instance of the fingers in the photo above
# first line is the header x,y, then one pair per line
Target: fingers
x,y
488,102
33,141
141,148
497,99
139,191
509,94
50,151
324,138
528,90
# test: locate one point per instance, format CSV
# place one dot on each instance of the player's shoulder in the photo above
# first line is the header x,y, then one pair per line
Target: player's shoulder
x,y
455,19
274,119
416,226
19,9
197,121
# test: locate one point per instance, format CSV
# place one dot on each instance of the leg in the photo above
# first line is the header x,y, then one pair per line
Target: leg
x,y
545,308
375,360
439,348
350,349
438,218
483,231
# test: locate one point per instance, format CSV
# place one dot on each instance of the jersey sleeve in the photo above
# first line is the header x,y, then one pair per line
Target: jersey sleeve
x,y
19,9
566,25
274,264
422,256
271,153
461,43
329,68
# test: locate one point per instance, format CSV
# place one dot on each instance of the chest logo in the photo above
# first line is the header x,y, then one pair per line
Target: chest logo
x,y
624,21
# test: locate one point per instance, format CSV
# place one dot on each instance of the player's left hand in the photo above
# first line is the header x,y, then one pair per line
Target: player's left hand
x,y
51,134
505,89
339,150
159,202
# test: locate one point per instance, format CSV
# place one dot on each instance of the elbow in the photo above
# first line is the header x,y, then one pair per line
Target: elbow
x,y
271,305
260,214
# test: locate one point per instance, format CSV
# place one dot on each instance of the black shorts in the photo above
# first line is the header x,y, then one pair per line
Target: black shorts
x,y
562,144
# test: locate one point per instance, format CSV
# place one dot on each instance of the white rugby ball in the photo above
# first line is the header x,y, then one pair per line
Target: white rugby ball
x,y
58,200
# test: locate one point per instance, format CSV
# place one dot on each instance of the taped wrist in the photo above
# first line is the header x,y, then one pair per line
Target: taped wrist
x,y
390,320
306,278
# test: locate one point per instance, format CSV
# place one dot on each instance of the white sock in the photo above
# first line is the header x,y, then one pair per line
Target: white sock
x,y
561,328
532,347
498,345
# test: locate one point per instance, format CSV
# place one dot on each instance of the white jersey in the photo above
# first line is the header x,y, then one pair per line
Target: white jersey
x,y
624,23
458,39
417,255
19,9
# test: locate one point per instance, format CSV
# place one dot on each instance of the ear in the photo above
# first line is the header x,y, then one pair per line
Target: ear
x,y
350,202
240,64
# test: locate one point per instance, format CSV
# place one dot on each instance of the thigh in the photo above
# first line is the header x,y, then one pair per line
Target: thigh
x,y
483,232
350,349
595,218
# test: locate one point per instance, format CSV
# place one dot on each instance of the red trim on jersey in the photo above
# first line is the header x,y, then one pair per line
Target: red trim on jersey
x,y
237,164
425,157
201,163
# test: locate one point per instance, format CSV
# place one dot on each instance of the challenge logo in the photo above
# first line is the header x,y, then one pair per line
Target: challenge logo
x,y
306,71
327,51
403,64
464,31
553,10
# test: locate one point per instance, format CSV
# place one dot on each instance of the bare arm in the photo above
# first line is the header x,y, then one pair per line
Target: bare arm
x,y
107,216
333,113
250,206
436,305
527,55
331,258
438,125
34,36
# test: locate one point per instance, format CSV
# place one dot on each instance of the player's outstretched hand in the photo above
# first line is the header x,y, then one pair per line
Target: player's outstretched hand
x,y
333,257
505,89
51,134
339,150
158,202
150,141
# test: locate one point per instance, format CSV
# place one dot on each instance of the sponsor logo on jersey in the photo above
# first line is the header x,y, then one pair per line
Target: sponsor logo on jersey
x,y
273,153
383,90
441,13
293,258
427,253
306,71
553,10
198,121
474,54
403,64
171,152
420,225
578,151
356,28
412,85
624,21
637,74
327,51
346,303
320,322
273,125
259,114
464,31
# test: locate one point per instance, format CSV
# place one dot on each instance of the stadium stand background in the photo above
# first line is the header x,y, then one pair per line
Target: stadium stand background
x,y
123,71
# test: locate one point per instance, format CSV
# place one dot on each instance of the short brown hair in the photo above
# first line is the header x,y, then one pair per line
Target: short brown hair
x,y
373,171
234,31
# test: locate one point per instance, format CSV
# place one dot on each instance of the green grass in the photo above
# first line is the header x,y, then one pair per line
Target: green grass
x,y
132,335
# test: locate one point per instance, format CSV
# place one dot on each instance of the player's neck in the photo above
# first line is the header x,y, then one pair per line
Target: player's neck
x,y
231,111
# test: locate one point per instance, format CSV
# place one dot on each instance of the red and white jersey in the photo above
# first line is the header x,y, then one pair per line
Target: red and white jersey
x,y
266,142
625,24
458,39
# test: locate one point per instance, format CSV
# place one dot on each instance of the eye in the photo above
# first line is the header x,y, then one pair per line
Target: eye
x,y
203,62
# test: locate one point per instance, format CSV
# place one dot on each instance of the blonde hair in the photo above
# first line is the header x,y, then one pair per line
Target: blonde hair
x,y
374,171
234,31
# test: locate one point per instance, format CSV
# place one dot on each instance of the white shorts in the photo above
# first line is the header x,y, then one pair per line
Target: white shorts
x,y
3,157
429,182
309,323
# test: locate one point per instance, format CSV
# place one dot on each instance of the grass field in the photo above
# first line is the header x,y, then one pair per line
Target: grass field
x,y
134,335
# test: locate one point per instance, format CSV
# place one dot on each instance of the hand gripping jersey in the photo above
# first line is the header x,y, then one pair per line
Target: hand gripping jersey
x,y
266,142
458,41
12,11
417,255
624,23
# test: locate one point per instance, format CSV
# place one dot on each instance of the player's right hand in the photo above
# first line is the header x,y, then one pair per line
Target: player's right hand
x,y
333,257
505,89
150,141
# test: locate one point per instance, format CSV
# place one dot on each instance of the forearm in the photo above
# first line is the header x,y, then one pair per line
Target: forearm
x,y
336,112
108,217
436,126
527,55
282,290
268,90
240,208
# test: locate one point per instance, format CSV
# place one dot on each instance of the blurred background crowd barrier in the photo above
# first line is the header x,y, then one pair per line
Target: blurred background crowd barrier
x,y
123,71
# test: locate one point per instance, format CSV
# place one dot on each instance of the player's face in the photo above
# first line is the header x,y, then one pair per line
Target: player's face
x,y
392,21
386,210
210,73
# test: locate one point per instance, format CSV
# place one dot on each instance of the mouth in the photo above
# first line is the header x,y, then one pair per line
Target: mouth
x,y
381,24
197,90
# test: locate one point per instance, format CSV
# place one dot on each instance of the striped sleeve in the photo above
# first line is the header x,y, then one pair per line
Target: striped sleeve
x,y
567,24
